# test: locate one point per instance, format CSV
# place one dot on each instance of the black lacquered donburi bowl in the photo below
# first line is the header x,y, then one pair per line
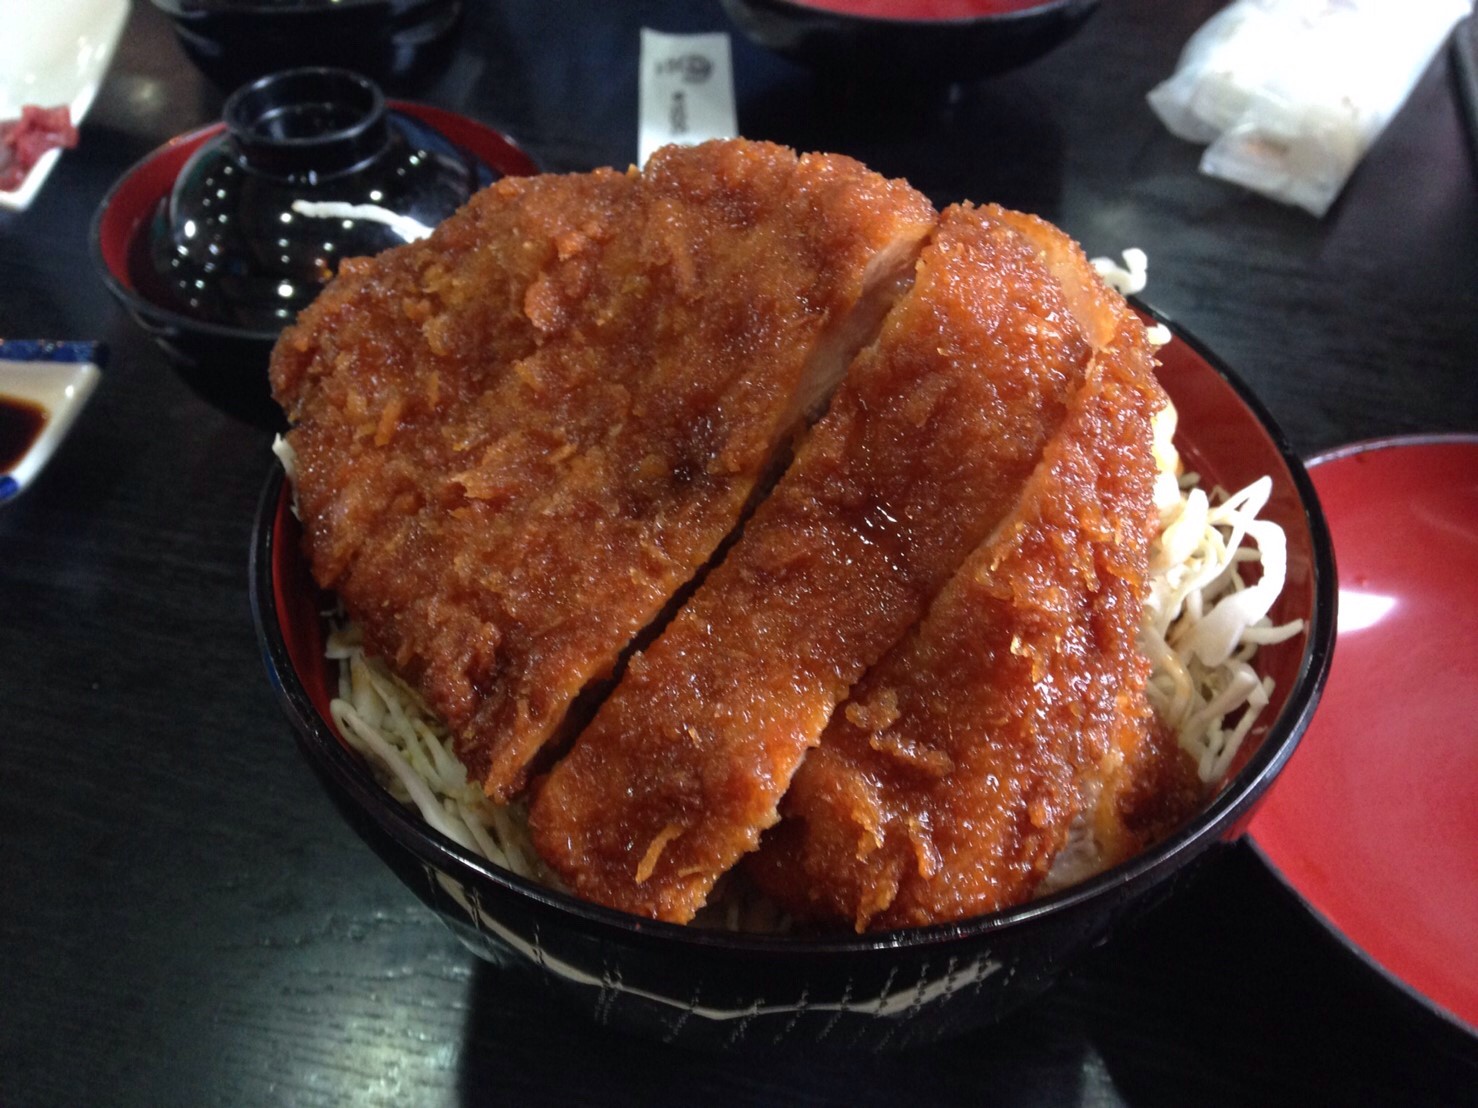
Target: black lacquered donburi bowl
x,y
717,989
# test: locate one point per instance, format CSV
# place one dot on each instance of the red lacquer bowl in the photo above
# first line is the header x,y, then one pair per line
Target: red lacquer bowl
x,y
1375,825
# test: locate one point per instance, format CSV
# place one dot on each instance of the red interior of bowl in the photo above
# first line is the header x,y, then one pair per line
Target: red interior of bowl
x,y
1375,823
300,605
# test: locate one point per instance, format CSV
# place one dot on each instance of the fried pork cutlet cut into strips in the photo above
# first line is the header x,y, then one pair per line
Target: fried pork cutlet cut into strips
x,y
947,784
924,449
1145,789
518,438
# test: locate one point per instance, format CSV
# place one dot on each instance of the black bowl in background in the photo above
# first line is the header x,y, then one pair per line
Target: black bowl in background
x,y
916,46
402,44
717,989
225,362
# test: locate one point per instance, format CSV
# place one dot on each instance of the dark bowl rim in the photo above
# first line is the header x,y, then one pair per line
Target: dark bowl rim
x,y
1143,871
140,306
1038,10
1388,442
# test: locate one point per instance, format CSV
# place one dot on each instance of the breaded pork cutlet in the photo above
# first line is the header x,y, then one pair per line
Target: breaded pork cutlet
x,y
924,449
517,439
947,784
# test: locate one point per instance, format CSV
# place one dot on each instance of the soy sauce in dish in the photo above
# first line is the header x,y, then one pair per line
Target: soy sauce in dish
x,y
21,422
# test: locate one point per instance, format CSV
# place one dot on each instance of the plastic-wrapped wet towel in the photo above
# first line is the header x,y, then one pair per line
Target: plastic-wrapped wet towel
x,y
1291,93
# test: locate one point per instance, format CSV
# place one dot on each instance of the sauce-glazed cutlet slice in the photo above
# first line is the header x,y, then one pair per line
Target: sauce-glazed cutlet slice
x,y
517,439
946,785
1144,790
924,449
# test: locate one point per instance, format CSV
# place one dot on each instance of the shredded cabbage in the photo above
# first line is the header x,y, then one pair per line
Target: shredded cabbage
x,y
1127,279
1202,620
383,718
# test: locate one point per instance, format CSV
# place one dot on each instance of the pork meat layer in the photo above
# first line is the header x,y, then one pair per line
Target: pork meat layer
x,y
518,438
925,448
947,784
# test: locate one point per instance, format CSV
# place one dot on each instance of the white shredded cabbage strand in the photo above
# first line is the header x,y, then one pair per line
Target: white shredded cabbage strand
x,y
1202,621
385,720
1126,279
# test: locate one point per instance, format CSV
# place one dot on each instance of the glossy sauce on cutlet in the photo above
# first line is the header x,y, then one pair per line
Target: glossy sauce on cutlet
x,y
946,785
518,438
924,449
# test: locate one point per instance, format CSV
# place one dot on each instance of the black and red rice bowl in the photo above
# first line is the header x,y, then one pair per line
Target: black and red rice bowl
x,y
723,989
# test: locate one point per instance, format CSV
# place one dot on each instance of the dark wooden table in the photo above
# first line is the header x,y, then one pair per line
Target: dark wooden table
x,y
185,920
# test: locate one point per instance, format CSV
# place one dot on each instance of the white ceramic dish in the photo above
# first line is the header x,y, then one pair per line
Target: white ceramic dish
x,y
57,377
54,52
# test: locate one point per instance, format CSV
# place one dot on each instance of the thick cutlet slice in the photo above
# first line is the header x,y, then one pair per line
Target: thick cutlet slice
x,y
924,449
946,785
1146,788
516,439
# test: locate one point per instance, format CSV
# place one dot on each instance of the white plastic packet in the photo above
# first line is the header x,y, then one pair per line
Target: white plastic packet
x,y
1291,93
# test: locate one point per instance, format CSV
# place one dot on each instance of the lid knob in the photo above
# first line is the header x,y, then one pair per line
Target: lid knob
x,y
307,123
